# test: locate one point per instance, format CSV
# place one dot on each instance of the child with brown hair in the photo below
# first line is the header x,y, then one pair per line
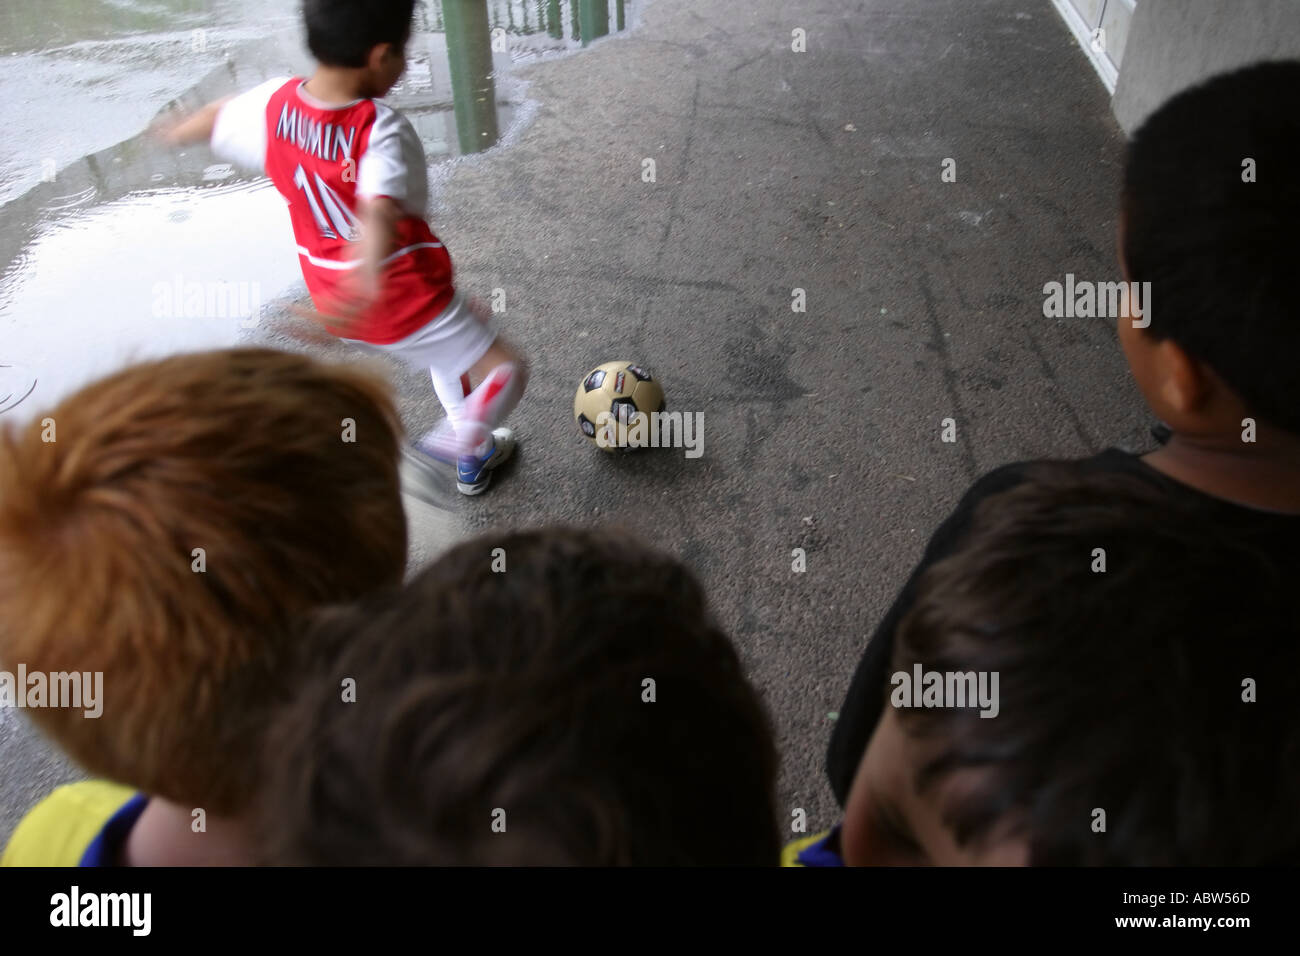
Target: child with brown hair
x,y
552,697
166,527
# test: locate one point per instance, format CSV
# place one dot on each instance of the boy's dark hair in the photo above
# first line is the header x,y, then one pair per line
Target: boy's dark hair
x,y
1120,690
343,32
1220,252
520,690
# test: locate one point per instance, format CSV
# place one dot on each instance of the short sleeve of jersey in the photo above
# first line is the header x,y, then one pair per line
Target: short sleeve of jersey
x,y
393,164
239,135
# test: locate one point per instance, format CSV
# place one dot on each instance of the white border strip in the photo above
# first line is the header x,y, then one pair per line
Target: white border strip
x,y
1083,33
345,264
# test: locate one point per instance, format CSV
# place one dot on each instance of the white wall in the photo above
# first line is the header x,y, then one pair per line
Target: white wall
x,y
1173,44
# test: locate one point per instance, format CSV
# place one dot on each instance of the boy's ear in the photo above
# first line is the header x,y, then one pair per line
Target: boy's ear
x,y
378,57
1185,383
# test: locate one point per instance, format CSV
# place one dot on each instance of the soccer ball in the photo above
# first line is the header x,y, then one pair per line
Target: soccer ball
x,y
610,400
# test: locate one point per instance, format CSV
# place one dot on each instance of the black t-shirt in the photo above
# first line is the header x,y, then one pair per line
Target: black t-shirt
x,y
1275,533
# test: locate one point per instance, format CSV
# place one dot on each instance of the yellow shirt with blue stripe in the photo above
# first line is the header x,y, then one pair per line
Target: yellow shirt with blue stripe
x,y
820,849
80,824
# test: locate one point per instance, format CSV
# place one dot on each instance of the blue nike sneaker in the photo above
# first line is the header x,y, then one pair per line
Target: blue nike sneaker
x,y
474,474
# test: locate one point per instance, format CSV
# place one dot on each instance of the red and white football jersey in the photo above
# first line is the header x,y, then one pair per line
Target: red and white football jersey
x,y
325,160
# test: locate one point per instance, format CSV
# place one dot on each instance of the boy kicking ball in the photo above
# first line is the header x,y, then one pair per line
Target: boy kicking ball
x,y
352,171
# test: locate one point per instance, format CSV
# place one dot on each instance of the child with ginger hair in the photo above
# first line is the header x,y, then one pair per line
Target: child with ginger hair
x,y
187,512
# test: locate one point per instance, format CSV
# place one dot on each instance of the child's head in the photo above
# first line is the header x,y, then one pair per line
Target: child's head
x,y
165,526
543,697
1210,204
368,36
1118,690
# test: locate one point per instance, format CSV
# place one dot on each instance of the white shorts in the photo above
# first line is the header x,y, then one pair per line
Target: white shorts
x,y
447,345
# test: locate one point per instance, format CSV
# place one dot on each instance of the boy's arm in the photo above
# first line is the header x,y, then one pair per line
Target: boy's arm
x,y
195,128
361,287
379,219
390,173
235,127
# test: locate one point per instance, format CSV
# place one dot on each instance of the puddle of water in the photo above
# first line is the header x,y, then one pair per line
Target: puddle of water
x,y
152,254
113,248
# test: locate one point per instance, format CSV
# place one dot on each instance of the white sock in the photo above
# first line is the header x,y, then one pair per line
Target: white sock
x,y
470,419
447,437
496,396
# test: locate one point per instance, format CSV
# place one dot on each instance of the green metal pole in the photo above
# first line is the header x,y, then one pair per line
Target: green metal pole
x,y
554,21
594,19
473,90
621,21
